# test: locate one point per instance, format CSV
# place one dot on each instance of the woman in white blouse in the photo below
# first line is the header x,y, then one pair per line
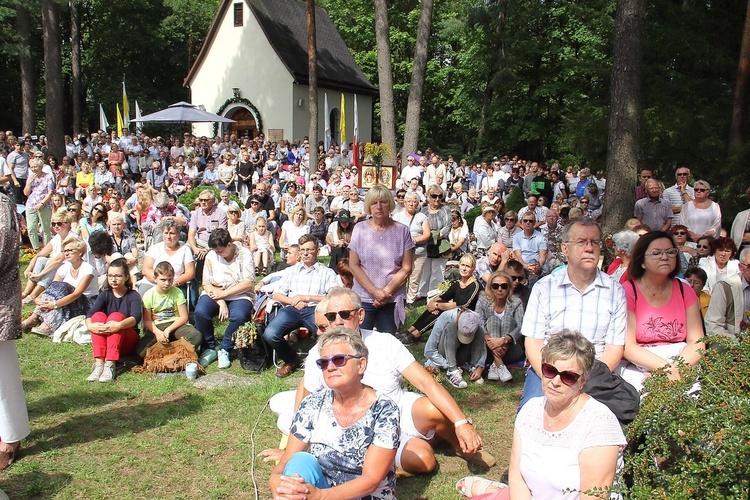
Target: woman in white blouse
x,y
701,216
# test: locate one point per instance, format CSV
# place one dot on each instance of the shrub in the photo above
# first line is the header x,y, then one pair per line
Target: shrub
x,y
471,216
695,447
515,200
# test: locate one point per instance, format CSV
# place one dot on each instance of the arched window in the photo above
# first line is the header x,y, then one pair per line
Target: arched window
x,y
335,119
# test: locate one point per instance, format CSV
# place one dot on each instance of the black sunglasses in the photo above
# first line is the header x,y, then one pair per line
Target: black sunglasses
x,y
345,314
504,286
566,377
517,278
437,196
58,224
338,360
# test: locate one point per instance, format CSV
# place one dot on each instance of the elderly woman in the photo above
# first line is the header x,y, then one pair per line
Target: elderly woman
x,y
485,230
680,235
439,217
664,319
351,431
506,233
624,242
228,278
720,264
419,228
123,242
38,190
463,292
501,313
235,225
160,210
380,258
113,322
291,200
43,266
69,293
700,215
171,250
565,443
293,229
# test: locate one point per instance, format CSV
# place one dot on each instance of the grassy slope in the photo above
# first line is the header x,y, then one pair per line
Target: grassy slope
x,y
147,438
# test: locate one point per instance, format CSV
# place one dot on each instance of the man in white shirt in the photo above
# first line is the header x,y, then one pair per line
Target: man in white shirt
x,y
679,194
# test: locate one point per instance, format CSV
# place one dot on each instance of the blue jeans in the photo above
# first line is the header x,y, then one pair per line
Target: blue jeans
x,y
308,467
380,317
532,388
240,312
288,319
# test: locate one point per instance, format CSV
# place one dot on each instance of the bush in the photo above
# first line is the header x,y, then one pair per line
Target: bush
x,y
695,447
515,200
471,216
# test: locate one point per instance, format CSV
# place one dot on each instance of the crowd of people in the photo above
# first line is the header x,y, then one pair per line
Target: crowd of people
x,y
112,241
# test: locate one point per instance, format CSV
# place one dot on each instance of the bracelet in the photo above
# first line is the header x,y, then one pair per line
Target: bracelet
x,y
54,303
461,422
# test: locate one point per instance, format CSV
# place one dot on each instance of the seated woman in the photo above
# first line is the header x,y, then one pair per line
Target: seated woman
x,y
501,313
456,340
461,293
293,229
343,438
123,242
165,313
563,442
260,243
161,210
721,263
664,319
96,221
624,242
68,294
234,224
171,250
43,266
697,278
113,322
228,277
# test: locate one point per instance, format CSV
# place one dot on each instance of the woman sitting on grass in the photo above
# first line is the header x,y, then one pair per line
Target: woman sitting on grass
x,y
69,293
165,313
113,322
42,268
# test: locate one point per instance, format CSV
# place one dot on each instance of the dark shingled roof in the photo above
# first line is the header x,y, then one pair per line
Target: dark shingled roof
x,y
284,23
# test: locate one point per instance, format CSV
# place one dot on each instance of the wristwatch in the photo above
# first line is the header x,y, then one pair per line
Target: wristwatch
x,y
463,421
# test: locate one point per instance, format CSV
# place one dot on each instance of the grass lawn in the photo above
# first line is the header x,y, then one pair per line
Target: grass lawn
x,y
141,437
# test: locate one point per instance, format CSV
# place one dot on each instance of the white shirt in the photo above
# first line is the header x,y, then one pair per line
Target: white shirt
x,y
673,195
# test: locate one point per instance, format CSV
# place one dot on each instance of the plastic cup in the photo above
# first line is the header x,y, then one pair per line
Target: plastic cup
x,y
191,371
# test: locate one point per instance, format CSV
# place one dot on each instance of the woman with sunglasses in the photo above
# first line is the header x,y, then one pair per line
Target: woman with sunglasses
x,y
664,319
419,228
501,313
69,293
702,249
506,233
562,441
254,210
485,229
43,266
700,215
290,201
343,438
96,221
439,217
720,264
687,252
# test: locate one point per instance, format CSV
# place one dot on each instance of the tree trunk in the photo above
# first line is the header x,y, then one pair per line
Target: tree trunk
x,y
26,63
385,80
75,63
625,114
416,89
53,113
312,86
740,88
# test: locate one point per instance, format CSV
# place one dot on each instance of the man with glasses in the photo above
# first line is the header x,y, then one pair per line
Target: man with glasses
x,y
578,297
530,247
679,194
203,220
423,417
730,298
518,277
652,211
301,288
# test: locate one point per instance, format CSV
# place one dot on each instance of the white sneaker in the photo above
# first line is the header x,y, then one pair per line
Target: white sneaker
x,y
504,373
456,379
493,373
96,372
224,359
108,373
479,381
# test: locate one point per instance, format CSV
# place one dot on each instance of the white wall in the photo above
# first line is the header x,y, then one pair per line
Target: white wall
x,y
302,115
242,57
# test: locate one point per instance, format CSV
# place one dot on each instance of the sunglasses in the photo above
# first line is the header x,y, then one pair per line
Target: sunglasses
x,y
57,224
339,360
437,196
504,286
682,175
700,190
400,196
345,314
680,233
510,220
705,247
566,377
517,278
528,221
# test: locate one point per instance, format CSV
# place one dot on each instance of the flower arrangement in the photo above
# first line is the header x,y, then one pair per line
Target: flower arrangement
x,y
375,153
245,335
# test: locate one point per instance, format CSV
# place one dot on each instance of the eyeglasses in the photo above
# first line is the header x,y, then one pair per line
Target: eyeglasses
x,y
510,219
585,243
400,196
680,233
69,250
496,286
57,224
97,210
338,360
528,221
671,253
437,196
682,174
345,314
584,202
254,203
704,247
518,279
700,190
566,377
115,276
204,199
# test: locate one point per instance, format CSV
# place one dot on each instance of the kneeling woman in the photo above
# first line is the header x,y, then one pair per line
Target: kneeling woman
x,y
69,293
351,432
113,322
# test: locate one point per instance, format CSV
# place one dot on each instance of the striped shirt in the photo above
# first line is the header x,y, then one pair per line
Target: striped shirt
x,y
599,313
303,280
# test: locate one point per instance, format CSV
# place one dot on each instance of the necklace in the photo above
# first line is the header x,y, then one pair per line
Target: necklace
x,y
563,417
353,415
653,292
380,230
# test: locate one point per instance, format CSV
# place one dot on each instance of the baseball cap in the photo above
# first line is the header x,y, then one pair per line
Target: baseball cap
x,y
468,322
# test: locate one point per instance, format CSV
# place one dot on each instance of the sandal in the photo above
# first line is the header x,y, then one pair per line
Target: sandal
x,y
43,330
471,486
26,300
29,323
407,338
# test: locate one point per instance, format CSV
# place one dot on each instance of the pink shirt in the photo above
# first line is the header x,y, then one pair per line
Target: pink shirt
x,y
660,325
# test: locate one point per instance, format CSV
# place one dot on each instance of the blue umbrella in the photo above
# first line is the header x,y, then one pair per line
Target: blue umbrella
x,y
182,112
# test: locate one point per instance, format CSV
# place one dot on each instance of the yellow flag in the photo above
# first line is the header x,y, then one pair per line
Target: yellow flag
x,y
119,122
342,125
125,108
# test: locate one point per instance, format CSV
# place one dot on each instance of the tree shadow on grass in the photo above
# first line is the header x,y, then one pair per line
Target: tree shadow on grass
x,y
120,418
34,484
77,400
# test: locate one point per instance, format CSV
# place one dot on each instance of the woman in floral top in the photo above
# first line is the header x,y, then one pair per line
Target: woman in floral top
x,y
39,189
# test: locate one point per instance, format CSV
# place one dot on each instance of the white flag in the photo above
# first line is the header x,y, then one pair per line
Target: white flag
x,y
327,127
356,120
103,123
138,116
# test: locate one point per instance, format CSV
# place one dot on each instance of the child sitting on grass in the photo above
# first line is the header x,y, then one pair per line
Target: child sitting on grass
x,y
165,313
